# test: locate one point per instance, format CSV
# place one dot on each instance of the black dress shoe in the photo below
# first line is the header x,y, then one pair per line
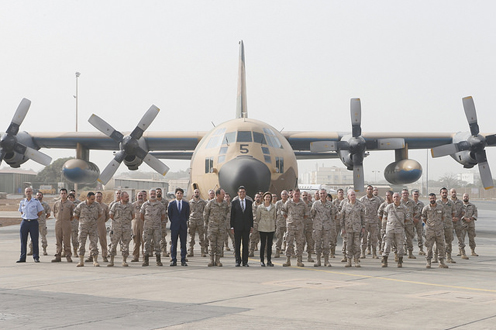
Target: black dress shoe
x,y
262,264
36,260
270,264
19,261
183,263
238,264
246,265
173,263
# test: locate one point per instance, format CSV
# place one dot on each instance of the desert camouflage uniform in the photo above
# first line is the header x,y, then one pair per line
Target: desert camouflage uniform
x,y
371,222
42,225
383,220
449,209
153,213
215,215
62,212
338,204
352,222
409,233
324,226
394,216
229,233
88,217
121,226
255,235
419,228
308,232
102,229
137,225
163,240
296,213
196,224
280,226
469,226
457,225
75,228
434,218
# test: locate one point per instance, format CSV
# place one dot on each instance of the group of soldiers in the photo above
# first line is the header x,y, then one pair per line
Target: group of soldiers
x,y
370,225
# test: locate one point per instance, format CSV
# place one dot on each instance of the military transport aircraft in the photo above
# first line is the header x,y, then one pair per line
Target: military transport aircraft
x,y
244,151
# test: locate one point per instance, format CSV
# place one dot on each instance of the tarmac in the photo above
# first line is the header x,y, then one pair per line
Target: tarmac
x,y
49,295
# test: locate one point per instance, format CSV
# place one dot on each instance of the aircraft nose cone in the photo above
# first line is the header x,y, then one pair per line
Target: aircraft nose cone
x,y
244,171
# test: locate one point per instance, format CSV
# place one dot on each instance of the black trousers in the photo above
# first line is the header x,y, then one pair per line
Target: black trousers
x,y
266,239
241,237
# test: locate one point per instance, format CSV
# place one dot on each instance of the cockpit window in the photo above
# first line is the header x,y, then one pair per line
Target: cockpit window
x,y
229,138
214,141
244,136
259,138
272,139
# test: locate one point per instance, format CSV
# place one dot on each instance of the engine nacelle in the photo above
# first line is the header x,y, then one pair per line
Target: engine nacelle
x,y
132,162
15,159
80,171
466,158
403,172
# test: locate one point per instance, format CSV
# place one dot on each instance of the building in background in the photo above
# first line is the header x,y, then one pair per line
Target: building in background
x,y
13,181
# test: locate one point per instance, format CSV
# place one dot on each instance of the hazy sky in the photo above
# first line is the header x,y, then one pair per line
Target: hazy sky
x,y
410,62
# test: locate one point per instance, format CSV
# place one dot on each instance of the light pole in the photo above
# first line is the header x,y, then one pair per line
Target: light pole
x,y
77,99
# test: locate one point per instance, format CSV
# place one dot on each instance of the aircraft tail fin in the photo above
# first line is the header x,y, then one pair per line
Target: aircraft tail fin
x,y
241,107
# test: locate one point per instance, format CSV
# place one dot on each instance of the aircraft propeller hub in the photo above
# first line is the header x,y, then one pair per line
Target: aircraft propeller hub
x,y
8,142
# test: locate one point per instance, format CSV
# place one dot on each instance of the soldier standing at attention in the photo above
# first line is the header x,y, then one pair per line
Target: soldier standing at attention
x,y
152,213
87,213
101,228
433,215
137,225
228,234
323,213
255,236
337,202
410,207
196,223
376,194
469,219
457,223
449,219
215,214
122,214
382,220
280,222
163,240
30,209
308,228
42,224
353,225
395,216
371,204
295,211
417,222
63,213
74,223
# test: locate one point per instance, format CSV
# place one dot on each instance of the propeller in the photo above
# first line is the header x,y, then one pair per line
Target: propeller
x,y
129,145
475,143
9,143
356,144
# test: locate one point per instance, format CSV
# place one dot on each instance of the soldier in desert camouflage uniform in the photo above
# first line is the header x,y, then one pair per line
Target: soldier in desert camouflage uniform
x,y
255,235
121,213
87,213
308,228
395,216
163,239
280,223
371,204
353,226
323,215
417,222
196,223
457,223
382,220
101,228
449,219
295,211
215,215
137,225
409,231
153,214
433,215
468,222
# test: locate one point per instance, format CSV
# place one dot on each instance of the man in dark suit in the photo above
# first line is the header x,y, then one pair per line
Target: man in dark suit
x,y
241,225
178,212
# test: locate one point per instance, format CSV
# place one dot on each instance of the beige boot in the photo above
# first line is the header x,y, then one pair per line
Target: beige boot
x,y
473,253
400,262
299,262
384,263
75,251
191,253
333,252
203,254
146,261
217,261
428,265
277,254
158,258
124,262
45,251
57,258
212,262
81,262
374,253
462,252
357,263
111,263
435,261
318,263
348,262
421,252
410,255
288,262
344,259
449,259
362,256
459,252
68,258
396,257
442,264
105,259
310,257
95,261
89,259
326,261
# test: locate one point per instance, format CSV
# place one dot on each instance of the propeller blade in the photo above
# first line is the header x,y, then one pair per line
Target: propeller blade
x,y
321,146
21,112
105,128
111,168
38,156
390,144
156,164
145,122
471,114
2,154
358,180
444,150
491,140
356,117
486,176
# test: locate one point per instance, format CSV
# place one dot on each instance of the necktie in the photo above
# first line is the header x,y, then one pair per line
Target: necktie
x,y
243,205
179,205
